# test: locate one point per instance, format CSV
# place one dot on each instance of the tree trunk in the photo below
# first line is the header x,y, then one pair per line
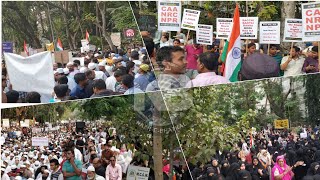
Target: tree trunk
x,y
287,11
65,18
157,146
102,9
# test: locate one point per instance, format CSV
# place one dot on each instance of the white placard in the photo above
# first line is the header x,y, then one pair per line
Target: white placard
x,y
116,38
24,124
204,34
169,16
249,27
32,73
137,173
190,19
5,123
36,130
40,141
224,27
270,32
303,135
311,21
292,30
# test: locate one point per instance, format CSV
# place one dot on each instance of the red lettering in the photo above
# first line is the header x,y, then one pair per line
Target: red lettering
x,y
309,20
309,12
310,27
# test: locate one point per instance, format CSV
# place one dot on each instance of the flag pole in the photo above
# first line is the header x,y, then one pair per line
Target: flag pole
x,y
268,49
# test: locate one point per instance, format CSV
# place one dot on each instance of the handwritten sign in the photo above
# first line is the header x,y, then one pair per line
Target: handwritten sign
x,y
204,34
190,19
292,30
270,32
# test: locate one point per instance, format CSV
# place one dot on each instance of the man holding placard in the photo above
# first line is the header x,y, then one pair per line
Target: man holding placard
x,y
292,64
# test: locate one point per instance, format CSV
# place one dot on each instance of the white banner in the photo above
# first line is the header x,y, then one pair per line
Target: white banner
x,y
137,173
270,32
311,21
40,141
249,27
190,19
204,34
224,27
292,30
169,16
5,123
32,73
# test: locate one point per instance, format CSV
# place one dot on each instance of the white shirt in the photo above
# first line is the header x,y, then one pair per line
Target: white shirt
x,y
110,83
294,67
71,83
77,154
100,75
5,177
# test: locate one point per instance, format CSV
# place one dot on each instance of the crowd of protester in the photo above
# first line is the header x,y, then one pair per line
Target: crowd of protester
x,y
104,73
91,153
267,154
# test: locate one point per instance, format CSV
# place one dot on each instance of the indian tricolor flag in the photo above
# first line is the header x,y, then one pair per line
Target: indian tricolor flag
x,y
59,45
87,36
231,55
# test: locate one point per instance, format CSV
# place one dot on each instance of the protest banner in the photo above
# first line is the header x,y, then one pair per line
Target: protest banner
x,y
190,19
270,32
32,73
292,30
40,141
5,123
249,27
311,21
116,38
169,16
204,34
7,47
137,172
281,124
224,27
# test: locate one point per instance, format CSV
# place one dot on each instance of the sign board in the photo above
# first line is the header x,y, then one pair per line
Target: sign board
x,y
204,34
129,33
311,21
24,124
249,27
116,38
190,19
169,16
224,27
281,124
5,123
36,130
292,30
137,173
61,56
40,141
2,140
26,73
7,47
270,32
303,135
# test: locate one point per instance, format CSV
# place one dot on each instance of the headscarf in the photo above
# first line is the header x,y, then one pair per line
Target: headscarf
x,y
277,166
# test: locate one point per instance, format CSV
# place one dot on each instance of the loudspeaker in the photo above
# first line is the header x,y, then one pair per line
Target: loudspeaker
x,y
80,126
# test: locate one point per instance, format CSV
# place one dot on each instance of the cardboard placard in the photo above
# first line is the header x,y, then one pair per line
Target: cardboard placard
x,y
270,32
190,19
169,16
311,21
292,30
204,34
